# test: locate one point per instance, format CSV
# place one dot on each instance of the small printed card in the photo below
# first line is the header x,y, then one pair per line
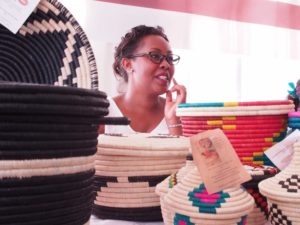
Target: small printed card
x,y
217,162
13,13
281,154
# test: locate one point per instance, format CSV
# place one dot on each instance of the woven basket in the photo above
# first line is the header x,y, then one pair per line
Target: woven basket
x,y
128,167
50,48
251,127
283,192
167,185
47,165
189,202
259,215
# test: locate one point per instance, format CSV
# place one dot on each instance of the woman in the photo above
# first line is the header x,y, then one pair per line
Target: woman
x,y
144,60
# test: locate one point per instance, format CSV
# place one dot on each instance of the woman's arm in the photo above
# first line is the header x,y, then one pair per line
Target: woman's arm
x,y
173,122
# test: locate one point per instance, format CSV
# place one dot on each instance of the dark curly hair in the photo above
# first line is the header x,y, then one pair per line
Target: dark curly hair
x,y
130,42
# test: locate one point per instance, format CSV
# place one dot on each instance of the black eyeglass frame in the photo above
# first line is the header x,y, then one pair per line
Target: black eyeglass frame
x,y
151,55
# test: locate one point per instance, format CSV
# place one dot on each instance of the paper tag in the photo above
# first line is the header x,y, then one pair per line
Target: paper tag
x,y
13,13
281,153
217,162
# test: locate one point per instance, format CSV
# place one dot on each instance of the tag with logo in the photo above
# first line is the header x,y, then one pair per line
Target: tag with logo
x,y
217,162
13,13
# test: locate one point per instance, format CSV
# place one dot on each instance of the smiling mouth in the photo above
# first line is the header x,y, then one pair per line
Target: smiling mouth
x,y
164,77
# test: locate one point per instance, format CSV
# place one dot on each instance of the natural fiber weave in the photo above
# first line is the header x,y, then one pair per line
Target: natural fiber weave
x,y
283,192
251,127
189,198
259,215
128,167
50,48
167,184
57,199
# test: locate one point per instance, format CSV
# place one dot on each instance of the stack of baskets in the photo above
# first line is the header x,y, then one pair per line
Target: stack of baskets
x,y
283,192
128,167
251,127
48,134
48,141
294,120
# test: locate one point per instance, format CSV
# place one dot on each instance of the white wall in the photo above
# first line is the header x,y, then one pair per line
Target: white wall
x,y
221,60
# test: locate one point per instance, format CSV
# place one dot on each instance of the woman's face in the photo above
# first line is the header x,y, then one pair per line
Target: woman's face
x,y
149,76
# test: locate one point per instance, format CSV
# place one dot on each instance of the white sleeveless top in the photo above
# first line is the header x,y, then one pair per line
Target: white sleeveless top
x,y
114,111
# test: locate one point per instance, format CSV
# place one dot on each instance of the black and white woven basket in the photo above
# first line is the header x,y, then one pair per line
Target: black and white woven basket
x,y
50,48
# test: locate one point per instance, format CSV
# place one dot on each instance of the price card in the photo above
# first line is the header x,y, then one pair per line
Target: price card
x,y
13,13
217,162
282,153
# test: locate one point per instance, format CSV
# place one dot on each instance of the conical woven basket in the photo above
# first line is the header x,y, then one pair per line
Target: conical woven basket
x,y
189,202
283,192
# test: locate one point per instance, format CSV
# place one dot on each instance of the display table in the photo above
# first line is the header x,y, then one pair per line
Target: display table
x,y
96,221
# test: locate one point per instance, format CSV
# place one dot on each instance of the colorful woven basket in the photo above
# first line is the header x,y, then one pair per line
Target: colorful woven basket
x,y
294,120
251,127
128,167
283,192
189,203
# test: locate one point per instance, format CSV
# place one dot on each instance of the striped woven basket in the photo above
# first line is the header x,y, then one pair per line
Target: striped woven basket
x,y
251,127
128,167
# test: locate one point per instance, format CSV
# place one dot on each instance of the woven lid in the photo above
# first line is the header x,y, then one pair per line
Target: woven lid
x,y
172,180
190,198
143,141
285,186
128,167
50,48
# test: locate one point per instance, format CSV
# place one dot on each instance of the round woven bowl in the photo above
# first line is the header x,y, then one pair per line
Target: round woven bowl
x,y
251,127
128,167
189,202
50,48
283,192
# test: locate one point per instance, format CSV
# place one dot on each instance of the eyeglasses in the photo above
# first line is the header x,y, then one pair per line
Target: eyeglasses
x,y
157,57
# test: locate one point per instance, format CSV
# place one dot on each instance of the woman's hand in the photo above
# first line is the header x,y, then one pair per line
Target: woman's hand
x,y
171,104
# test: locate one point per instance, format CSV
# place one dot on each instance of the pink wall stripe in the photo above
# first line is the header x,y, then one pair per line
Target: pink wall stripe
x,y
252,11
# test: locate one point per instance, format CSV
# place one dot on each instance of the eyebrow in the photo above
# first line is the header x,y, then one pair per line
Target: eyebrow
x,y
159,50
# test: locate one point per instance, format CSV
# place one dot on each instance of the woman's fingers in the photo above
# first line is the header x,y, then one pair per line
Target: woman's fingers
x,y
174,81
180,91
169,96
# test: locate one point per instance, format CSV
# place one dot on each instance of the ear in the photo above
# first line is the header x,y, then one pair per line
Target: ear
x,y
126,64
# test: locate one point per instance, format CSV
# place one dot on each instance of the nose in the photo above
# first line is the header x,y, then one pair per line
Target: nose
x,y
165,63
